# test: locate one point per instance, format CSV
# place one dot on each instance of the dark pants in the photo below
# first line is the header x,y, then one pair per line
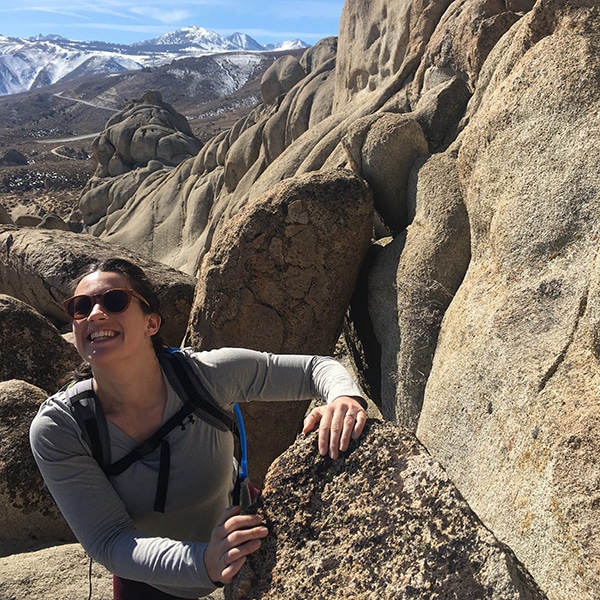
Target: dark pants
x,y
125,589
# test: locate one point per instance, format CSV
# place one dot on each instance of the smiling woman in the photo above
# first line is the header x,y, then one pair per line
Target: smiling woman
x,y
102,334
121,281
165,524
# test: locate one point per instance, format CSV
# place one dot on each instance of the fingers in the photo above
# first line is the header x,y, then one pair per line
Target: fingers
x,y
311,420
339,422
232,540
354,423
232,560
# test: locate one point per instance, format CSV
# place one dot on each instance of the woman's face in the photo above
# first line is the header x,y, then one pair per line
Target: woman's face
x,y
102,337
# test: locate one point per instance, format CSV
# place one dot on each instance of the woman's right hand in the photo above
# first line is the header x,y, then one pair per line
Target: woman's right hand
x,y
233,538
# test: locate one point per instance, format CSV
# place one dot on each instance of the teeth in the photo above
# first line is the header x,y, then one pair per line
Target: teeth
x,y
98,335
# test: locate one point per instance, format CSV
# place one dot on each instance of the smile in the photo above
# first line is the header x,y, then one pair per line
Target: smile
x,y
96,336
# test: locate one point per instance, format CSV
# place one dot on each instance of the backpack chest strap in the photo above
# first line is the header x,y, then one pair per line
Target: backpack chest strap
x,y
150,444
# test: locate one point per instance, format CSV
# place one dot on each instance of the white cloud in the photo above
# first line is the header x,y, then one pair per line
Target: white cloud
x,y
161,15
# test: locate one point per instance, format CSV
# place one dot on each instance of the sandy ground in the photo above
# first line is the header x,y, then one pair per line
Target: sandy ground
x,y
54,572
51,572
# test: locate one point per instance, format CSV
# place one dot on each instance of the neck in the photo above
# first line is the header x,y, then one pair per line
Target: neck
x,y
137,385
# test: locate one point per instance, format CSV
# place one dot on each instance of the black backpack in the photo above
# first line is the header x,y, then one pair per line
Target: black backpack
x,y
196,401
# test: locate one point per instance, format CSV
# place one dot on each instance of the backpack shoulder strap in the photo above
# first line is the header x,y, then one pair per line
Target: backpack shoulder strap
x,y
186,382
189,387
89,415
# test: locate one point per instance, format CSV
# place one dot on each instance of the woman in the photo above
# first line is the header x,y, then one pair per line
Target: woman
x,y
199,542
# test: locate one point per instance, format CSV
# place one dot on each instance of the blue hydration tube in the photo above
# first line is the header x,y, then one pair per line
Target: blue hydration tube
x,y
244,458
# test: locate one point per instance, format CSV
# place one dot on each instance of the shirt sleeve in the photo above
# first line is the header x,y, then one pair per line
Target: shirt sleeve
x,y
98,516
240,375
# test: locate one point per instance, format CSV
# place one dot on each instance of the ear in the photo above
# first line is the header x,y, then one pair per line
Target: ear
x,y
153,324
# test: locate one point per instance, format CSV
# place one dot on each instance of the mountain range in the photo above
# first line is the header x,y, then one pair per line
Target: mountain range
x,y
32,63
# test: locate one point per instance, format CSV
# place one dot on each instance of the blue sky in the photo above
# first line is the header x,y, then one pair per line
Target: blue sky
x,y
128,21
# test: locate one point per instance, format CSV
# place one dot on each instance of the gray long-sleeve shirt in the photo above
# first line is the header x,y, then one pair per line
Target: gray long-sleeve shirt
x,y
115,521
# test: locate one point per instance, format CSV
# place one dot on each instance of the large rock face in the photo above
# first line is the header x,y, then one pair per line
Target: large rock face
x,y
511,406
381,43
428,264
338,529
475,318
279,279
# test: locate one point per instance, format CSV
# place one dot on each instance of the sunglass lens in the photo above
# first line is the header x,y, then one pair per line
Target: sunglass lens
x,y
115,301
80,307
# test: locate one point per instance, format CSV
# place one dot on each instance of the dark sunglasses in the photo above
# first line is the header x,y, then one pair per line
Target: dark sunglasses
x,y
113,301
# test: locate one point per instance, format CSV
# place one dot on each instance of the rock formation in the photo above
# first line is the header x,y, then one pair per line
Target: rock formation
x,y
517,357
28,512
38,267
5,218
474,319
54,573
279,280
209,188
145,130
12,158
31,348
342,529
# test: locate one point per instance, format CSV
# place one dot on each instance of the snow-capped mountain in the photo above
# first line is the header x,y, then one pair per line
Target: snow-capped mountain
x,y
245,41
289,45
27,64
32,63
188,38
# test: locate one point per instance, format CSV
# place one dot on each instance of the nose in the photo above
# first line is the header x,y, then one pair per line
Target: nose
x,y
97,311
